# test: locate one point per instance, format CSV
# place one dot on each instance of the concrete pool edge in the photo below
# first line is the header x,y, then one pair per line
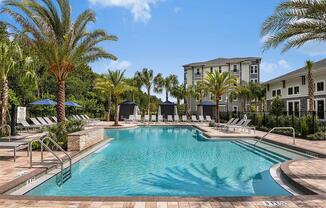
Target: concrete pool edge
x,y
24,187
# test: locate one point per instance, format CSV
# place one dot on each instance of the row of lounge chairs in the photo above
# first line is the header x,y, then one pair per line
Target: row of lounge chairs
x,y
41,122
170,118
236,124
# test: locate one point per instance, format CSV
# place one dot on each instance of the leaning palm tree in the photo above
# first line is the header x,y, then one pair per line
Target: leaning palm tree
x,y
146,78
11,59
295,23
115,83
311,87
219,84
64,44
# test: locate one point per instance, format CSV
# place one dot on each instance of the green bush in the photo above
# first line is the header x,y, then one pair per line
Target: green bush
x,y
60,132
304,127
317,136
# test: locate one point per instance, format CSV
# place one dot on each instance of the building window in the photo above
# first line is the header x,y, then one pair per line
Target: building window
x,y
320,87
235,68
254,80
290,91
211,69
220,69
303,79
235,108
197,73
296,90
277,92
293,108
283,83
254,69
274,93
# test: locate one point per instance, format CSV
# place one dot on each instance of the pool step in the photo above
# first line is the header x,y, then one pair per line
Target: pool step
x,y
271,156
66,175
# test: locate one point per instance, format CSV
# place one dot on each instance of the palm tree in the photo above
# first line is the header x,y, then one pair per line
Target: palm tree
x,y
295,23
183,92
200,91
11,59
311,87
219,84
48,28
146,78
167,84
115,83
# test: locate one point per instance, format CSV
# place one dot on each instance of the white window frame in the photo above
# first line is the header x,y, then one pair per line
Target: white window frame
x,y
293,92
292,101
316,110
316,82
255,70
276,92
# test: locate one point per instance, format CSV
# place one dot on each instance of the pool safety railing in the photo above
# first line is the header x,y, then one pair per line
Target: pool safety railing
x,y
65,173
278,128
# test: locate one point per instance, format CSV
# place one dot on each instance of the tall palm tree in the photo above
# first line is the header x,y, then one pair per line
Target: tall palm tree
x,y
146,78
11,59
115,83
311,87
219,84
167,84
64,44
183,92
200,91
295,23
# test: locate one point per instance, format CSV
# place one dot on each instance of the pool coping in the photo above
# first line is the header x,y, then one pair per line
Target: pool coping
x,y
43,171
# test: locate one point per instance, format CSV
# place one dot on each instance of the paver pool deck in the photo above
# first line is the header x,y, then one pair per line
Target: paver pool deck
x,y
309,173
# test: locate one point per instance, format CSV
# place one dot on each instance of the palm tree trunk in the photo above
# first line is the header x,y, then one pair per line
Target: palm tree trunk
x,y
217,113
149,101
186,106
109,109
166,95
116,117
4,102
311,92
61,101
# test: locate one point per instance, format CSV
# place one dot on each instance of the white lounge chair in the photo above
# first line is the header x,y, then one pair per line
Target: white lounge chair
x,y
27,126
36,122
194,118
131,118
208,119
138,118
42,121
55,119
184,118
79,118
146,118
235,126
176,118
201,118
47,119
242,126
153,118
160,118
170,118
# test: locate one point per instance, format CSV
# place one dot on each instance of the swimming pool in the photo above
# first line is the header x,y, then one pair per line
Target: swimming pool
x,y
172,161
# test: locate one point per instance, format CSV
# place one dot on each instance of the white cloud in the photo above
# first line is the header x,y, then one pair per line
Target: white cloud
x,y
284,64
140,9
117,65
269,68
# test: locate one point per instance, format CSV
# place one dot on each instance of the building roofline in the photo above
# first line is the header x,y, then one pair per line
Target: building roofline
x,y
221,61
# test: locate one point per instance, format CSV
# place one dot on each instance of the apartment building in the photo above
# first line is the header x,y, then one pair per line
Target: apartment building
x,y
247,70
293,89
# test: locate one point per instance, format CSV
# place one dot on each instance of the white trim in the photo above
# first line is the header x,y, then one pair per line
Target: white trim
x,y
316,105
292,101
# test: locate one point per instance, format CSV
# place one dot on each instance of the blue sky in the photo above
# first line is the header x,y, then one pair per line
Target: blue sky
x,y
165,34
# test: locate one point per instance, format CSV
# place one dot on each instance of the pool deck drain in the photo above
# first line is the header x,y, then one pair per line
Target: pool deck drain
x,y
308,173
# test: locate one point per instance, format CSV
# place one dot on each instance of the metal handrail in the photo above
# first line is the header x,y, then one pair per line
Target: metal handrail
x,y
278,128
41,141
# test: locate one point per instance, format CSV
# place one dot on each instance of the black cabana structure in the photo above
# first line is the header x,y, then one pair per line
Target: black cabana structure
x,y
167,108
127,108
206,108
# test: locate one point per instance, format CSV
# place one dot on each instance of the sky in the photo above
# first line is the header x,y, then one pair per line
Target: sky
x,y
163,35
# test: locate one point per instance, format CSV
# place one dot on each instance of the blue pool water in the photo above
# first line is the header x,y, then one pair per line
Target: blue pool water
x,y
170,161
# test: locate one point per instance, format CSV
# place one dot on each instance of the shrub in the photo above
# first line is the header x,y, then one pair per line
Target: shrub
x,y
304,127
212,124
60,132
277,106
317,136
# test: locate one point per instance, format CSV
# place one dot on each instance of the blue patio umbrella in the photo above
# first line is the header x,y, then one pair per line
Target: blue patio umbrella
x,y
72,104
44,102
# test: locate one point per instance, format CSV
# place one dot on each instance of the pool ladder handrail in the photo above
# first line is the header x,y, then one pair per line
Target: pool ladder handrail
x,y
64,176
278,128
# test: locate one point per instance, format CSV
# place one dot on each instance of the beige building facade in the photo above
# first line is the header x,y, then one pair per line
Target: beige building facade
x,y
293,89
247,70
